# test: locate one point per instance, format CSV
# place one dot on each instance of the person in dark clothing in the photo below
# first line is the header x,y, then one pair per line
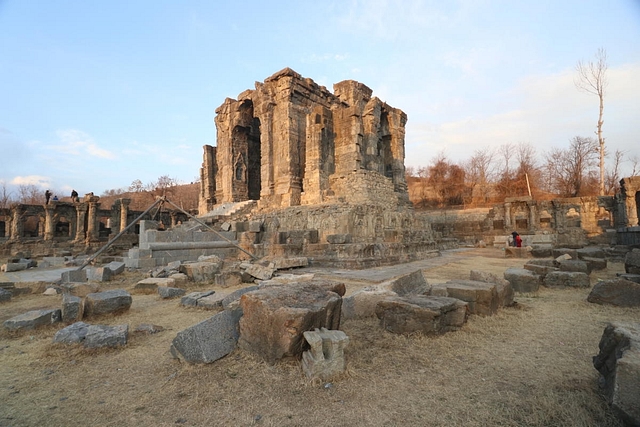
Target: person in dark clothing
x,y
47,196
518,241
515,234
74,196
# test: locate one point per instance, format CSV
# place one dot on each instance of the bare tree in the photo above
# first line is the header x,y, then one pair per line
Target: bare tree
x,y
570,170
136,186
5,196
612,177
30,194
592,78
479,173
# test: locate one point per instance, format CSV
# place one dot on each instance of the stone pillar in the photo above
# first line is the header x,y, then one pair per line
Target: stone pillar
x,y
81,210
533,223
48,222
92,232
174,218
7,227
17,227
41,223
507,216
632,209
124,211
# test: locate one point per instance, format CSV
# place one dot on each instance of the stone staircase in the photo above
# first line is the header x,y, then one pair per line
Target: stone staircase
x,y
230,209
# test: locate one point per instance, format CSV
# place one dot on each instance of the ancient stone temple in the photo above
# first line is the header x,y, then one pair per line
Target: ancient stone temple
x,y
291,142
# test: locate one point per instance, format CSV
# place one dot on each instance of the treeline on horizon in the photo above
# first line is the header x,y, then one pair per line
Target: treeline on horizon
x,y
515,170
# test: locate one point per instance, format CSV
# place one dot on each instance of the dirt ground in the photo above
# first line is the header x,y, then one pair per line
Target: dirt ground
x,y
529,365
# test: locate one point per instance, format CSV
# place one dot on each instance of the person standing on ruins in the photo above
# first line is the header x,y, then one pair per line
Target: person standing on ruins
x,y
518,241
74,196
47,196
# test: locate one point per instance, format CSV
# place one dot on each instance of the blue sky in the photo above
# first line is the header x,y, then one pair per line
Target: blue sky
x,y
94,95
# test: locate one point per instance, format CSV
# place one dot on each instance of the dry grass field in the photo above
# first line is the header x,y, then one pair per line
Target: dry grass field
x,y
529,365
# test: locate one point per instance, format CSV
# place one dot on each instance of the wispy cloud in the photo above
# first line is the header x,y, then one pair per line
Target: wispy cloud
x,y
37,180
77,143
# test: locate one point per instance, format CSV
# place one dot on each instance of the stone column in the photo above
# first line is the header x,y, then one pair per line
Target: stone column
x,y
632,210
81,210
48,222
507,216
7,227
17,227
92,233
41,221
533,223
174,219
124,211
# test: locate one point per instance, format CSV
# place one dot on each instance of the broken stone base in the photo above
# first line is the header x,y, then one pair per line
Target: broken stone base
x,y
425,314
619,365
325,358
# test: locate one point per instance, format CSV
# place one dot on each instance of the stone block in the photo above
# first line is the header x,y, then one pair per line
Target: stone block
x,y
211,302
410,284
259,271
167,292
14,266
234,296
619,365
54,261
98,274
633,277
618,291
72,308
282,263
74,276
286,279
363,302
33,319
106,336
566,279
5,296
116,267
191,300
595,263
481,297
108,302
143,263
254,226
209,340
80,289
541,266
201,271
137,253
72,334
339,239
325,357
590,252
503,287
632,262
150,285
540,251
429,315
574,265
228,278
180,279
226,226
573,253
522,280
276,317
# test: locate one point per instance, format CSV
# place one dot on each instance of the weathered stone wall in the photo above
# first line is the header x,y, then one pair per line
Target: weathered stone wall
x,y
291,142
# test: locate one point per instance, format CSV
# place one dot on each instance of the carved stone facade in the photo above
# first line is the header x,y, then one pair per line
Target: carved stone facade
x,y
291,142
630,198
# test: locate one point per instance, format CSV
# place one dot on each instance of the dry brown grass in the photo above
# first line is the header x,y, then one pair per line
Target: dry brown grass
x,y
530,365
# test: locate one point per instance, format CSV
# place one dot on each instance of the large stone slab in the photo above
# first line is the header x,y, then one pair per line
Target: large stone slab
x,y
211,302
567,279
595,263
522,280
282,263
191,299
590,252
235,296
106,336
108,302
619,365
209,340
429,315
541,266
167,292
33,319
573,253
574,265
116,267
276,317
74,276
259,271
481,297
72,334
410,284
150,285
14,266
618,291
632,262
